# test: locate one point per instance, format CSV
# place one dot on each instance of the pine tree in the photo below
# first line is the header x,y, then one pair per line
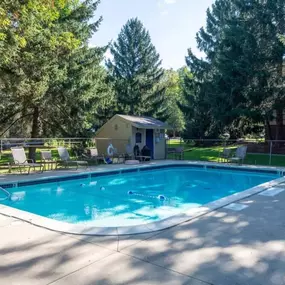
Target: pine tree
x,y
136,72
50,64
40,43
52,81
240,80
81,100
195,107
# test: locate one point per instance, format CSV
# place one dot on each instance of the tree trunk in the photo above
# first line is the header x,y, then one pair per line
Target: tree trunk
x,y
279,124
34,132
268,130
132,111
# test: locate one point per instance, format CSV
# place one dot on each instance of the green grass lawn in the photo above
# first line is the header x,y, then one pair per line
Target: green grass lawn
x,y
213,154
193,153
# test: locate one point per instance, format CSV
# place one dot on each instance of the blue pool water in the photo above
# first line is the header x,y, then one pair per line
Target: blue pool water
x,y
132,198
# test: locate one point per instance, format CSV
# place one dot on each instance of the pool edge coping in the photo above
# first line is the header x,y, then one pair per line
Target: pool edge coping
x,y
80,229
153,165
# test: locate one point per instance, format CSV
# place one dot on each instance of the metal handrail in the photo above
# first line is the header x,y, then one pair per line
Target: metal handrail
x,y
6,192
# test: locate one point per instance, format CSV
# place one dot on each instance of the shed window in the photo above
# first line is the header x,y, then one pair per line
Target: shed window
x,y
138,137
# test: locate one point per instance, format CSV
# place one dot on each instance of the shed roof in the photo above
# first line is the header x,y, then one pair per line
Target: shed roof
x,y
145,122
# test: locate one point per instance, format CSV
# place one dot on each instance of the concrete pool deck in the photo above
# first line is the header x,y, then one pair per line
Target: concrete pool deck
x,y
223,247
8,178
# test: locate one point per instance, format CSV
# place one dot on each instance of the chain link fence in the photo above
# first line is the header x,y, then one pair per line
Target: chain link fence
x,y
259,151
44,143
75,146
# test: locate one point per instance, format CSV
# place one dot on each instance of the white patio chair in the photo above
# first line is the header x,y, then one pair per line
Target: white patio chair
x,y
66,161
225,155
239,155
92,154
20,160
129,152
47,159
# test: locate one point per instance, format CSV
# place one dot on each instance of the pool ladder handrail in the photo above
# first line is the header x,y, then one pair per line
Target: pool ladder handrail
x,y
6,192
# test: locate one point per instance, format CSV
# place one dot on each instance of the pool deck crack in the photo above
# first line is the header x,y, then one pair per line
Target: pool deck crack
x,y
166,268
132,257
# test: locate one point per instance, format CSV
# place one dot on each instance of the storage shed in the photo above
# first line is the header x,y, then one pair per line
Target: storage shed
x,y
124,132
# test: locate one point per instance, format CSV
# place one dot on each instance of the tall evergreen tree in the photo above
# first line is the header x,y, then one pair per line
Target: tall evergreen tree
x,y
240,80
136,72
51,81
195,107
83,100
40,43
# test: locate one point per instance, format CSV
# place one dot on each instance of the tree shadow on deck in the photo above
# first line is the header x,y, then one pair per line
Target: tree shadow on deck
x,y
222,248
225,247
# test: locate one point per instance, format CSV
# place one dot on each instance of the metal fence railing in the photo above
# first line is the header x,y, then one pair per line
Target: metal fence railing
x,y
7,143
76,146
39,144
259,151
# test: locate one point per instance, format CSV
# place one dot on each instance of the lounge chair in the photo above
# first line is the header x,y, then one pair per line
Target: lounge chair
x,y
140,155
129,152
146,153
66,161
92,154
225,155
177,152
114,159
118,158
239,155
108,160
46,159
20,160
137,152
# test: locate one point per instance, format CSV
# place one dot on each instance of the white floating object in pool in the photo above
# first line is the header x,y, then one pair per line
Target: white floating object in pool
x,y
14,198
102,188
18,196
236,207
161,197
132,162
272,191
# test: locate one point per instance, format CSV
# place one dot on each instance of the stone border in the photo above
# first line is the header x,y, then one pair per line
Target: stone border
x,y
80,229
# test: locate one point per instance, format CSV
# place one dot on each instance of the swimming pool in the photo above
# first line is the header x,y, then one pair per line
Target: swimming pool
x,y
131,197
